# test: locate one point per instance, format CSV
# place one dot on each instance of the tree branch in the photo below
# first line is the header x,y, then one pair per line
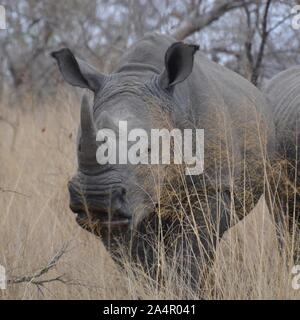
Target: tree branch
x,y
192,25
264,36
35,278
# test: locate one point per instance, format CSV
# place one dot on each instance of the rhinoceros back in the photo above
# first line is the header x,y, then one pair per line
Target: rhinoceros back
x,y
283,91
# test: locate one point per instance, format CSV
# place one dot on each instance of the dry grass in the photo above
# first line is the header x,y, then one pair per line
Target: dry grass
x,y
37,159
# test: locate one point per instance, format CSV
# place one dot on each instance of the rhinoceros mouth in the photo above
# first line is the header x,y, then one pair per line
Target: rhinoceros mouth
x,y
100,221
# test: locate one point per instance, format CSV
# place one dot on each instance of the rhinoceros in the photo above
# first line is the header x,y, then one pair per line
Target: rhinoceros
x,y
283,93
156,79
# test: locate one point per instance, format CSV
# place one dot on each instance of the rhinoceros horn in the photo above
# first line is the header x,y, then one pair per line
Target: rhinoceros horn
x,y
88,145
86,117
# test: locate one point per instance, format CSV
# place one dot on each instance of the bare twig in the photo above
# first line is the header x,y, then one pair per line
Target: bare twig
x,y
13,191
264,36
194,24
249,37
255,63
35,278
40,281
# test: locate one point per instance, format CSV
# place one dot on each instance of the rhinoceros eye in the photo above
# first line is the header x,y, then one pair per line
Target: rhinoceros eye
x,y
79,147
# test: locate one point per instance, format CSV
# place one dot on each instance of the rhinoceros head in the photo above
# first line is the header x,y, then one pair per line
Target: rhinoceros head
x,y
116,197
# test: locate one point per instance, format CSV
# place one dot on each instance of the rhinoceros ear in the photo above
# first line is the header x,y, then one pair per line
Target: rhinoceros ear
x,y
179,61
76,71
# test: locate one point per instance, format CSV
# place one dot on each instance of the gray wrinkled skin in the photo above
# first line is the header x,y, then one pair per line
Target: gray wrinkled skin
x,y
195,93
283,93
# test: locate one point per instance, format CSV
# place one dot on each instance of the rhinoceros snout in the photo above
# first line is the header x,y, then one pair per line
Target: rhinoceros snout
x,y
108,209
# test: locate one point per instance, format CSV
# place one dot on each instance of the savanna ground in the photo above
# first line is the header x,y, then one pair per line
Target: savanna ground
x,y
48,256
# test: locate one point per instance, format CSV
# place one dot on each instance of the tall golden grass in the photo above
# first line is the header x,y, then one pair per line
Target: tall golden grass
x,y
48,256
